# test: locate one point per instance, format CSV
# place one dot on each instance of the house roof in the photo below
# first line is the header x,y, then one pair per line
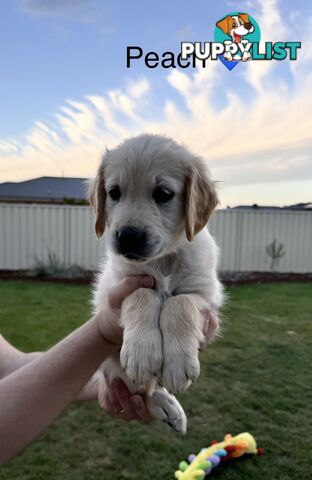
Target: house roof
x,y
50,189
297,206
256,207
301,206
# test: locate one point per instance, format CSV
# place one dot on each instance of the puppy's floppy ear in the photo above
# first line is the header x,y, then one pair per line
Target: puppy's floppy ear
x,y
244,17
200,200
225,24
97,197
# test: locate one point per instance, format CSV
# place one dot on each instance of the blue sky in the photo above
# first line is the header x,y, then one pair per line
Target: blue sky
x,y
66,92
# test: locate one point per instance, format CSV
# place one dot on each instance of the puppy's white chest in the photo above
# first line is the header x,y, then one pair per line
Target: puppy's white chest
x,y
163,270
164,287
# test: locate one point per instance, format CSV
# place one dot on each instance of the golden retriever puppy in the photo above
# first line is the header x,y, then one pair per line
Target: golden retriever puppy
x,y
153,199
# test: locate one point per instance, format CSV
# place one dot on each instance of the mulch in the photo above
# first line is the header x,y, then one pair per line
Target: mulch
x,y
228,278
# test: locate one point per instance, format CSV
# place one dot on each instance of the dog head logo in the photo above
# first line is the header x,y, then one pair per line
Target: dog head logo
x,y
236,26
237,31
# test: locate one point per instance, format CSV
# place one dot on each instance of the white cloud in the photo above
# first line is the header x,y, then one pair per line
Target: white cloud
x,y
185,34
273,29
139,89
8,146
265,137
48,7
76,8
82,11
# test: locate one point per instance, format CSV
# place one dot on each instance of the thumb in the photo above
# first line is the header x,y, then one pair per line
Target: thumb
x,y
128,285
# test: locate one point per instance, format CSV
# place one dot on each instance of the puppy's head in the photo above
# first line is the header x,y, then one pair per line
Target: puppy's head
x,y
151,194
236,26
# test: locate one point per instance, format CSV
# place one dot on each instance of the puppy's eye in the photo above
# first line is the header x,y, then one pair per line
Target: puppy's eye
x,y
162,195
115,193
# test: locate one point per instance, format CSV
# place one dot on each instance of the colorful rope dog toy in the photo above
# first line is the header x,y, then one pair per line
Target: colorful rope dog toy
x,y
200,465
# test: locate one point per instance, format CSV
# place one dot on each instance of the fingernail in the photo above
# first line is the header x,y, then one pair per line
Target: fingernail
x,y
136,402
135,399
147,281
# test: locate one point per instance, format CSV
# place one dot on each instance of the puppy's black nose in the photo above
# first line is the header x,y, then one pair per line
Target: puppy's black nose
x,y
131,241
248,26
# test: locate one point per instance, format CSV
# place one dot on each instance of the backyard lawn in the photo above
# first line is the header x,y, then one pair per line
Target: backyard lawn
x,y
257,378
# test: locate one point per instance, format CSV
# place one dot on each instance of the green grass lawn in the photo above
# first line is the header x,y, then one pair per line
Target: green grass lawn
x,y
256,378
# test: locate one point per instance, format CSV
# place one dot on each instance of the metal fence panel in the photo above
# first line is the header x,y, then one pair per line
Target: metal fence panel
x,y
30,233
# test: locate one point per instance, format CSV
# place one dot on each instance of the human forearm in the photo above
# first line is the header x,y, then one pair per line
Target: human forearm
x,y
34,395
12,359
56,377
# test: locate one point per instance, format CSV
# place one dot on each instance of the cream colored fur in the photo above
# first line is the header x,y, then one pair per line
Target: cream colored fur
x,y
162,327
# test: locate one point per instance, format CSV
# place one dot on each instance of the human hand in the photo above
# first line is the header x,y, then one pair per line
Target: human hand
x,y
210,326
108,318
115,398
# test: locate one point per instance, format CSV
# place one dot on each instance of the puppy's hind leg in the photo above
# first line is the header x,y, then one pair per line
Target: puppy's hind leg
x,y
166,407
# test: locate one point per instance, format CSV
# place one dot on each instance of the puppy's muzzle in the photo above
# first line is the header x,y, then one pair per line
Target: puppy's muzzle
x,y
131,242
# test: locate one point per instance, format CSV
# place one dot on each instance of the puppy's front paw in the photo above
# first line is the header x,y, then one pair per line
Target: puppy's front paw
x,y
181,327
246,56
141,355
228,56
181,365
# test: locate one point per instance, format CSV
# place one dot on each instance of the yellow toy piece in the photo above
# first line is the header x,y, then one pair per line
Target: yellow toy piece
x,y
200,465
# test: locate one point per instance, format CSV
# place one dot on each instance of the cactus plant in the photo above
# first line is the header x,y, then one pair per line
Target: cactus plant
x,y
275,252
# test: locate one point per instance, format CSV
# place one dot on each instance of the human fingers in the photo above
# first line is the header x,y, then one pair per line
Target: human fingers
x,y
213,324
128,285
123,396
110,393
210,325
140,409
